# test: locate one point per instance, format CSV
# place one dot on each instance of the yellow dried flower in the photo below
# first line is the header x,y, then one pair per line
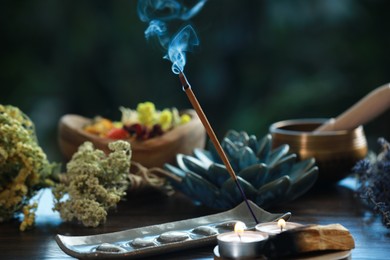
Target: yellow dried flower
x,y
146,113
94,183
24,168
165,119
28,216
143,123
184,119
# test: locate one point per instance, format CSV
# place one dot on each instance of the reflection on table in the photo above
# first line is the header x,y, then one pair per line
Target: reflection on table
x,y
337,204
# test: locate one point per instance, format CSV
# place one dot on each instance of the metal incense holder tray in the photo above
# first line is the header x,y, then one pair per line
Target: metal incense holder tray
x,y
164,238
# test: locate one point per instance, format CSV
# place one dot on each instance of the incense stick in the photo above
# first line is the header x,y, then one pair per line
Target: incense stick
x,y
210,132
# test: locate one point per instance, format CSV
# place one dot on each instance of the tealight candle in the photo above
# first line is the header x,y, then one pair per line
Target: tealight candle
x,y
273,228
241,244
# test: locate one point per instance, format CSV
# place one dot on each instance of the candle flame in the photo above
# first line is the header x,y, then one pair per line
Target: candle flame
x,y
281,224
239,227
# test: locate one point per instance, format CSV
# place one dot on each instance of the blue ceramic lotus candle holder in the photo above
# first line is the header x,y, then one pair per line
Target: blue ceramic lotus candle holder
x,y
267,176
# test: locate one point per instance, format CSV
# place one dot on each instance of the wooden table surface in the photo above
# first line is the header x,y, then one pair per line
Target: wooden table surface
x,y
335,204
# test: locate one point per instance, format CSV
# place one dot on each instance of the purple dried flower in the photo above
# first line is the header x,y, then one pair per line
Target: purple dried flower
x,y
384,166
374,180
362,166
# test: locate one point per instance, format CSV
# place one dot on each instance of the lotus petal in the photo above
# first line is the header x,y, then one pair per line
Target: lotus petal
x,y
246,158
231,190
176,171
243,137
232,135
180,163
230,148
194,165
302,184
176,183
204,156
273,192
253,144
232,152
277,154
281,167
218,174
264,148
199,189
301,167
255,174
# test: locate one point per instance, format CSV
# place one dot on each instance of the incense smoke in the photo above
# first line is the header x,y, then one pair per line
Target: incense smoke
x,y
158,13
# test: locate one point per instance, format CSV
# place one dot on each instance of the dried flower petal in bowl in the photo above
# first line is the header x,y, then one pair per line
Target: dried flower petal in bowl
x,y
143,123
151,152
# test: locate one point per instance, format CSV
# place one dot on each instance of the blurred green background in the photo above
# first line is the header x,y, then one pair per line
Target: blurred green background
x,y
258,62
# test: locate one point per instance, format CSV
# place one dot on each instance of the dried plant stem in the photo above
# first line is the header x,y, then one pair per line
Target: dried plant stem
x,y
210,132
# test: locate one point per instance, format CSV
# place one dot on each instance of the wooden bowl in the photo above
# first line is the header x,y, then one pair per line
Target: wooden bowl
x,y
154,152
336,152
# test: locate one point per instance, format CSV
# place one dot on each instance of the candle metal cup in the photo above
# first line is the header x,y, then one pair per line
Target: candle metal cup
x,y
336,152
272,228
246,246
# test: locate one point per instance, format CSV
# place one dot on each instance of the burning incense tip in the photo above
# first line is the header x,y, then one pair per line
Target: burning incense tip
x,y
184,81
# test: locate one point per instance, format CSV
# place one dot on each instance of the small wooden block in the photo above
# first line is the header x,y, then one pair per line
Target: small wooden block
x,y
311,238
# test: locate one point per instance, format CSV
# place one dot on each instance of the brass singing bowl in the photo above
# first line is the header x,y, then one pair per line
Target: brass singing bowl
x,y
336,152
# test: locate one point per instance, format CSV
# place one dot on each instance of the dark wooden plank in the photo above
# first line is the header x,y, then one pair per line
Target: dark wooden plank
x,y
319,206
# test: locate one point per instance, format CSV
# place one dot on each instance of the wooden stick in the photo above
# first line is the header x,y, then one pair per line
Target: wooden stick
x,y
313,238
210,132
372,105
